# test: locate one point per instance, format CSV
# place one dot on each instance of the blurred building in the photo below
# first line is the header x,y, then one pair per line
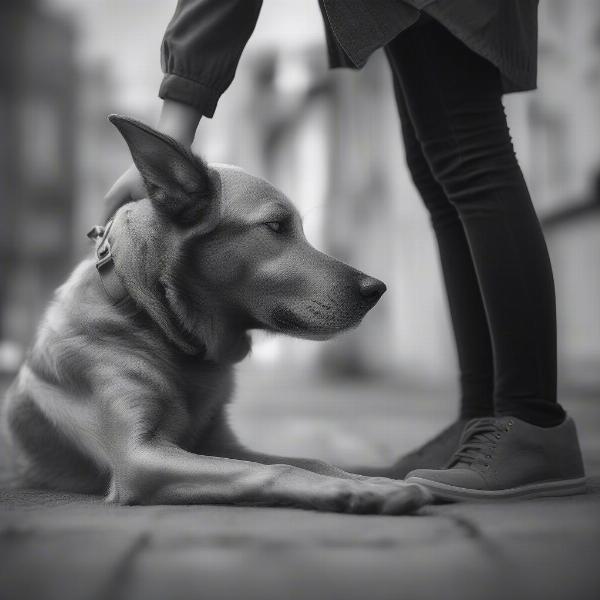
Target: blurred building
x,y
100,156
375,219
371,216
37,122
563,131
330,140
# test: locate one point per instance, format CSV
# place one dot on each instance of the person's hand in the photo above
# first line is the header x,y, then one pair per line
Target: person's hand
x,y
129,187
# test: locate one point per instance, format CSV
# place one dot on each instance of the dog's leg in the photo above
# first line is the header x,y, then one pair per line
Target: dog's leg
x,y
165,474
149,467
308,464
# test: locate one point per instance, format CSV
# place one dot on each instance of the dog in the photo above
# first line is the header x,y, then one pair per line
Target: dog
x,y
124,392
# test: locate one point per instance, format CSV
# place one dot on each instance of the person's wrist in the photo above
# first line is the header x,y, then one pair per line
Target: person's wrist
x,y
179,121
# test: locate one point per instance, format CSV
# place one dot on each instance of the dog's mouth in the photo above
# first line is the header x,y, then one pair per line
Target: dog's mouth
x,y
313,322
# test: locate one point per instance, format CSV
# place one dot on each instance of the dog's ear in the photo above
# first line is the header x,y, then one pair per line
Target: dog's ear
x,y
177,182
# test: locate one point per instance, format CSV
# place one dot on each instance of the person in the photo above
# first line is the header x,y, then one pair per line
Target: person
x,y
451,61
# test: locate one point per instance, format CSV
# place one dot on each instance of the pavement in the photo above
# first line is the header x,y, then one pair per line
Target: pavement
x,y
56,546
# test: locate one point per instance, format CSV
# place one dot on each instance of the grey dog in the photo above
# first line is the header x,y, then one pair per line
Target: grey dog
x,y
125,389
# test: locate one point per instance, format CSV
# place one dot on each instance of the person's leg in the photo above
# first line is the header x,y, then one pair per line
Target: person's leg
x,y
467,313
453,97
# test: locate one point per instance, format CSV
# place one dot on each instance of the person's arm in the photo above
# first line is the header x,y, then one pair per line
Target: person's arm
x,y
179,121
200,52
201,49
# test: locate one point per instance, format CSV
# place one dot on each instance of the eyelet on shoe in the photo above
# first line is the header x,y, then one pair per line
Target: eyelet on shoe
x,y
486,465
497,436
488,456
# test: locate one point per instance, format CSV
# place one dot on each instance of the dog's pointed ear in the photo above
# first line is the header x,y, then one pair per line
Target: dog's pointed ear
x,y
177,182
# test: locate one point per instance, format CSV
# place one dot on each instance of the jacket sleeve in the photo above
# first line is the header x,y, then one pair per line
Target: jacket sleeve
x,y
202,47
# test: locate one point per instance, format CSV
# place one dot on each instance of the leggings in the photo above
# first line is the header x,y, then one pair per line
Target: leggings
x,y
494,260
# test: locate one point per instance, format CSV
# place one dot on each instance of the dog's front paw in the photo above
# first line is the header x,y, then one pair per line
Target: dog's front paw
x,y
407,500
379,496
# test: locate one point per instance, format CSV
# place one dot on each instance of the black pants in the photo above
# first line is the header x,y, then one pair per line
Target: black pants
x,y
494,259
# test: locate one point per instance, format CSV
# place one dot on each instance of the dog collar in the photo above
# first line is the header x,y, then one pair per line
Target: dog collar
x,y
105,264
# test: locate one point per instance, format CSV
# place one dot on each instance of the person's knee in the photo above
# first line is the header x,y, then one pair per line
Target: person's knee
x,y
469,168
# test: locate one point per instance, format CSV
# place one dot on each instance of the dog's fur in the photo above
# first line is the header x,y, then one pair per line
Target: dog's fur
x,y
129,399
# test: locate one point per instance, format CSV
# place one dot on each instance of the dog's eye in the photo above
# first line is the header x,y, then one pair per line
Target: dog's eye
x,y
275,226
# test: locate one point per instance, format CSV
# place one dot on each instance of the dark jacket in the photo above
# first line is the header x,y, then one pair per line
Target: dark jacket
x,y
205,38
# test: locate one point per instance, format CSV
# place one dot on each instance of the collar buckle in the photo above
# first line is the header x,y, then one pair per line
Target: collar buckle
x,y
103,255
105,263
103,250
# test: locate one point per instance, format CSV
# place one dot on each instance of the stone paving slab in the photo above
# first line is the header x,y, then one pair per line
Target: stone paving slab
x,y
61,546
348,573
78,547
57,565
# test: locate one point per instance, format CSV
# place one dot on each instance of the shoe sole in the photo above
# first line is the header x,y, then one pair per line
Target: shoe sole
x,y
444,491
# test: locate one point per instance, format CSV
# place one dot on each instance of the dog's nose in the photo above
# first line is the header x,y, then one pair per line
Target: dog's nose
x,y
371,289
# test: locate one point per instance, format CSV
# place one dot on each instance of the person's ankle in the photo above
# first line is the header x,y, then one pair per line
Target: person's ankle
x,y
545,419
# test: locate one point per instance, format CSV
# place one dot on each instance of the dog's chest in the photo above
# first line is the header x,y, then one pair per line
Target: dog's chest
x,y
205,390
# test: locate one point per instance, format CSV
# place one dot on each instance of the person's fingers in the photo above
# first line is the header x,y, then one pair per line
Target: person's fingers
x,y
127,188
117,196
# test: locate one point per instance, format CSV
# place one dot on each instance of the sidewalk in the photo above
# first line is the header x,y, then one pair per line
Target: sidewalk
x,y
57,546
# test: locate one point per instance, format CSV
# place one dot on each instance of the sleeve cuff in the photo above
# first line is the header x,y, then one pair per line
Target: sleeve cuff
x,y
187,91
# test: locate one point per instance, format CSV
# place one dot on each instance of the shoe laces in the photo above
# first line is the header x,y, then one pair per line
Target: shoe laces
x,y
479,440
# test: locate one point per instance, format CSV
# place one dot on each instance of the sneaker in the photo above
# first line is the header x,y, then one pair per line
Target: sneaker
x,y
506,458
435,454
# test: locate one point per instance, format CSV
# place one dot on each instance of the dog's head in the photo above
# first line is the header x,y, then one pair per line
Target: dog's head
x,y
229,252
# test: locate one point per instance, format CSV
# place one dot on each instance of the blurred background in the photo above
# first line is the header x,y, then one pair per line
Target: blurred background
x,y
330,140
